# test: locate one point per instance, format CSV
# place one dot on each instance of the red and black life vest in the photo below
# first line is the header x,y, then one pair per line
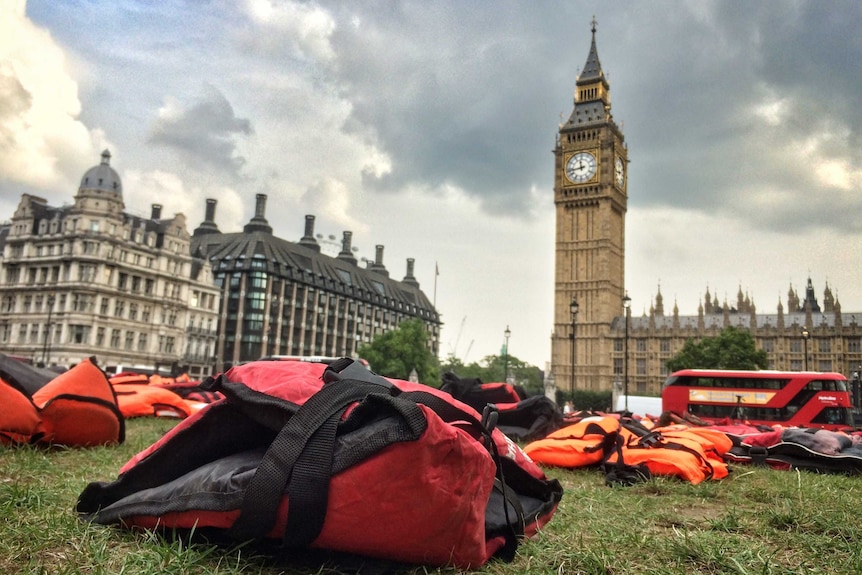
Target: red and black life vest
x,y
343,460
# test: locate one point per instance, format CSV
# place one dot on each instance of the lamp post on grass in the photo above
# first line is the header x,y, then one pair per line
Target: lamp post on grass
x,y
627,304
46,346
506,333
573,308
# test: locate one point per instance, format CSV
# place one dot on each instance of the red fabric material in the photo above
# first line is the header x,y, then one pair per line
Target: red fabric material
x,y
448,481
766,439
441,523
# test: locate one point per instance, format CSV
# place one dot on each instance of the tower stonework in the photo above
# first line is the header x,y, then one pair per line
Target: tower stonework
x,y
590,195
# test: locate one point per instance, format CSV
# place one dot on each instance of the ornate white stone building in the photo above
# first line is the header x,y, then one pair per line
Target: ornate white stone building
x,y
90,279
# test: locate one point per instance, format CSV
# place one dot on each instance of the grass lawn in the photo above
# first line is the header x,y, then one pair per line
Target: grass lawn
x,y
757,521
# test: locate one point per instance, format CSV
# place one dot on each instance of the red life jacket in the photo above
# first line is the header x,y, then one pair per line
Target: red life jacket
x,y
343,460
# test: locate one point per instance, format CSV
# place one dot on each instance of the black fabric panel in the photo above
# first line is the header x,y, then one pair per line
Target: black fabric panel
x,y
24,377
223,431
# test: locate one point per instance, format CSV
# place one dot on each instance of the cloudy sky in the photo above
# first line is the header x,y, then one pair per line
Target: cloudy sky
x,y
427,127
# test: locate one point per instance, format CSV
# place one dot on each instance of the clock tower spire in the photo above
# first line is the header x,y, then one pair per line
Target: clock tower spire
x,y
590,195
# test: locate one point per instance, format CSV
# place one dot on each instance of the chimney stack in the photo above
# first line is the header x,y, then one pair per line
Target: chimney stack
x,y
208,226
307,239
378,266
258,223
410,279
346,253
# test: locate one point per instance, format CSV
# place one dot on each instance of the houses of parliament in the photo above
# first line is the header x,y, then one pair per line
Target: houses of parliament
x,y
596,343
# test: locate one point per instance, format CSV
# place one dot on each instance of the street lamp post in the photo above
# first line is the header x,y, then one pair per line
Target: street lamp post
x,y
46,346
805,336
573,308
506,333
627,303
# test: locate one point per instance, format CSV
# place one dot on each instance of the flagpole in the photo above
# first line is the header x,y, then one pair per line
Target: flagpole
x,y
436,273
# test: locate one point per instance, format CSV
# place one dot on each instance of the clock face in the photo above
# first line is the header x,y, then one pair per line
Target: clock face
x,y
619,173
581,167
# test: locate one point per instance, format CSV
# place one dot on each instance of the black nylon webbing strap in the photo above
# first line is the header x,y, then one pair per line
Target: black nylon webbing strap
x,y
450,413
262,496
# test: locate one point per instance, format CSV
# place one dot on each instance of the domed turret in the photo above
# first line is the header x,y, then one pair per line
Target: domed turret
x,y
101,191
102,177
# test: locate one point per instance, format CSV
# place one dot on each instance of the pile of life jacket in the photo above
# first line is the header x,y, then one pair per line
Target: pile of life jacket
x,y
521,418
777,447
629,451
335,458
142,395
76,408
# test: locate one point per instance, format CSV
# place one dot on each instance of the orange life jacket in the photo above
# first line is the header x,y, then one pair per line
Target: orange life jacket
x,y
581,444
78,408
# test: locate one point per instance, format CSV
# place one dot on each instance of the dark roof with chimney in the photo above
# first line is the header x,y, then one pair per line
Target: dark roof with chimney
x,y
257,249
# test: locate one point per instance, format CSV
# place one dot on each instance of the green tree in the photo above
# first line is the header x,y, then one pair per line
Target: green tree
x,y
733,348
493,368
396,353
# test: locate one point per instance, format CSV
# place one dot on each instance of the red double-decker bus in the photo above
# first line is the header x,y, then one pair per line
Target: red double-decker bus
x,y
789,398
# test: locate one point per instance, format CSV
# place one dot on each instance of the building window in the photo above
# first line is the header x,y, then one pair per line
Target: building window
x,y
824,365
115,338
103,309
81,302
854,345
665,346
795,346
768,345
130,340
142,342
641,366
86,273
8,304
824,346
641,343
100,337
79,334
133,311
119,308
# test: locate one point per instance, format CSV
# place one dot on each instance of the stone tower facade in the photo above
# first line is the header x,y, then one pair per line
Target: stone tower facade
x,y
590,195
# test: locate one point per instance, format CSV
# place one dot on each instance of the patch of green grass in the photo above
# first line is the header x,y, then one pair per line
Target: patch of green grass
x,y
756,521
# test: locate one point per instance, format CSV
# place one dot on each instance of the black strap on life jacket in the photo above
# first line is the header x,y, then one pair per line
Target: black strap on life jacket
x,y
648,439
300,459
513,516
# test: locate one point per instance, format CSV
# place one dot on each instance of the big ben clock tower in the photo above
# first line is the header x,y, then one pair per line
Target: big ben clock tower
x,y
590,195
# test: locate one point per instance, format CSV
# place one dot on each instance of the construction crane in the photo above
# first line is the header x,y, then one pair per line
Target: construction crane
x,y
453,350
